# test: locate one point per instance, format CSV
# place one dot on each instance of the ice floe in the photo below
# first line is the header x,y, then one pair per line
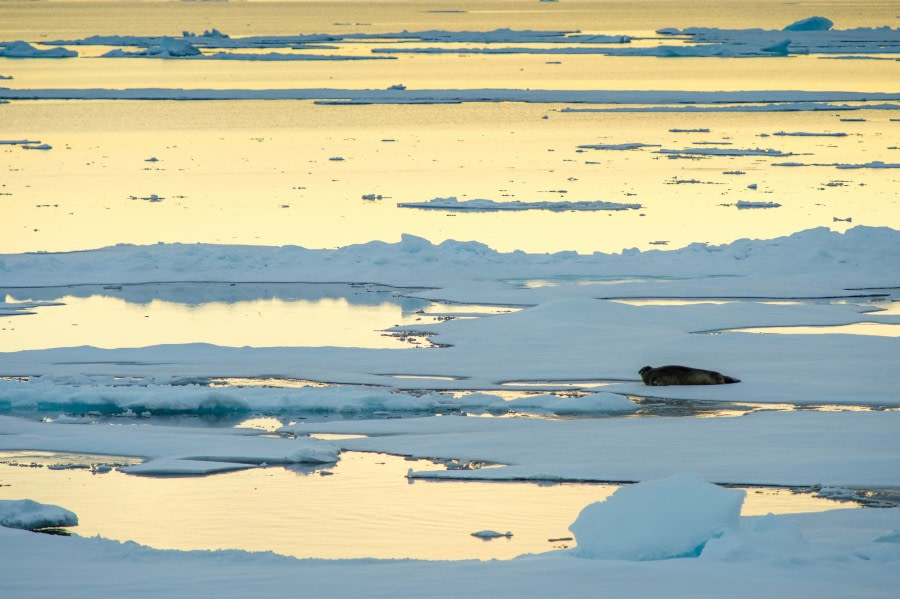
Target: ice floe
x,y
725,152
454,205
624,146
875,164
745,204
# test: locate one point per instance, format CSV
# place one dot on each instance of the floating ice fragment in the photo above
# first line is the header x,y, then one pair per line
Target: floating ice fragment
x,y
808,134
31,515
744,204
487,535
873,164
151,198
480,205
336,158
726,152
625,146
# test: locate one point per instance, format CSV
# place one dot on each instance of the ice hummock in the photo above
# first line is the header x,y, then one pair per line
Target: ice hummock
x,y
654,520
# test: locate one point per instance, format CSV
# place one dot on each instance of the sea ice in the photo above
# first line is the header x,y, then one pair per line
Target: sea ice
x,y
660,519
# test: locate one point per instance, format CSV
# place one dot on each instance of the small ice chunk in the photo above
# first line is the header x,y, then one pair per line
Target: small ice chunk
x,y
487,535
745,204
660,519
31,515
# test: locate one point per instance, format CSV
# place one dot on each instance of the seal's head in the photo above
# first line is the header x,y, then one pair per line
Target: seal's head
x,y
644,373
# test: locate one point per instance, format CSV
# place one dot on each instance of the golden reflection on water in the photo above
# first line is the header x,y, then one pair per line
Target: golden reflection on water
x,y
860,328
266,177
321,515
111,322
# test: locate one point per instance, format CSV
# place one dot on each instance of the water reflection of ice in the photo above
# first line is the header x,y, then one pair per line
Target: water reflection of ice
x,y
228,314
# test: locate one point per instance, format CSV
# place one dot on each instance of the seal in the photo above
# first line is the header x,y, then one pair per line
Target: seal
x,y
683,375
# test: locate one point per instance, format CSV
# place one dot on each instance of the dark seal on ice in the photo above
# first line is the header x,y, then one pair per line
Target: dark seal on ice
x,y
683,375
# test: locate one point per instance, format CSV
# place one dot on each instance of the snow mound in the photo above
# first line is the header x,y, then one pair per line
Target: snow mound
x,y
661,519
31,515
768,537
